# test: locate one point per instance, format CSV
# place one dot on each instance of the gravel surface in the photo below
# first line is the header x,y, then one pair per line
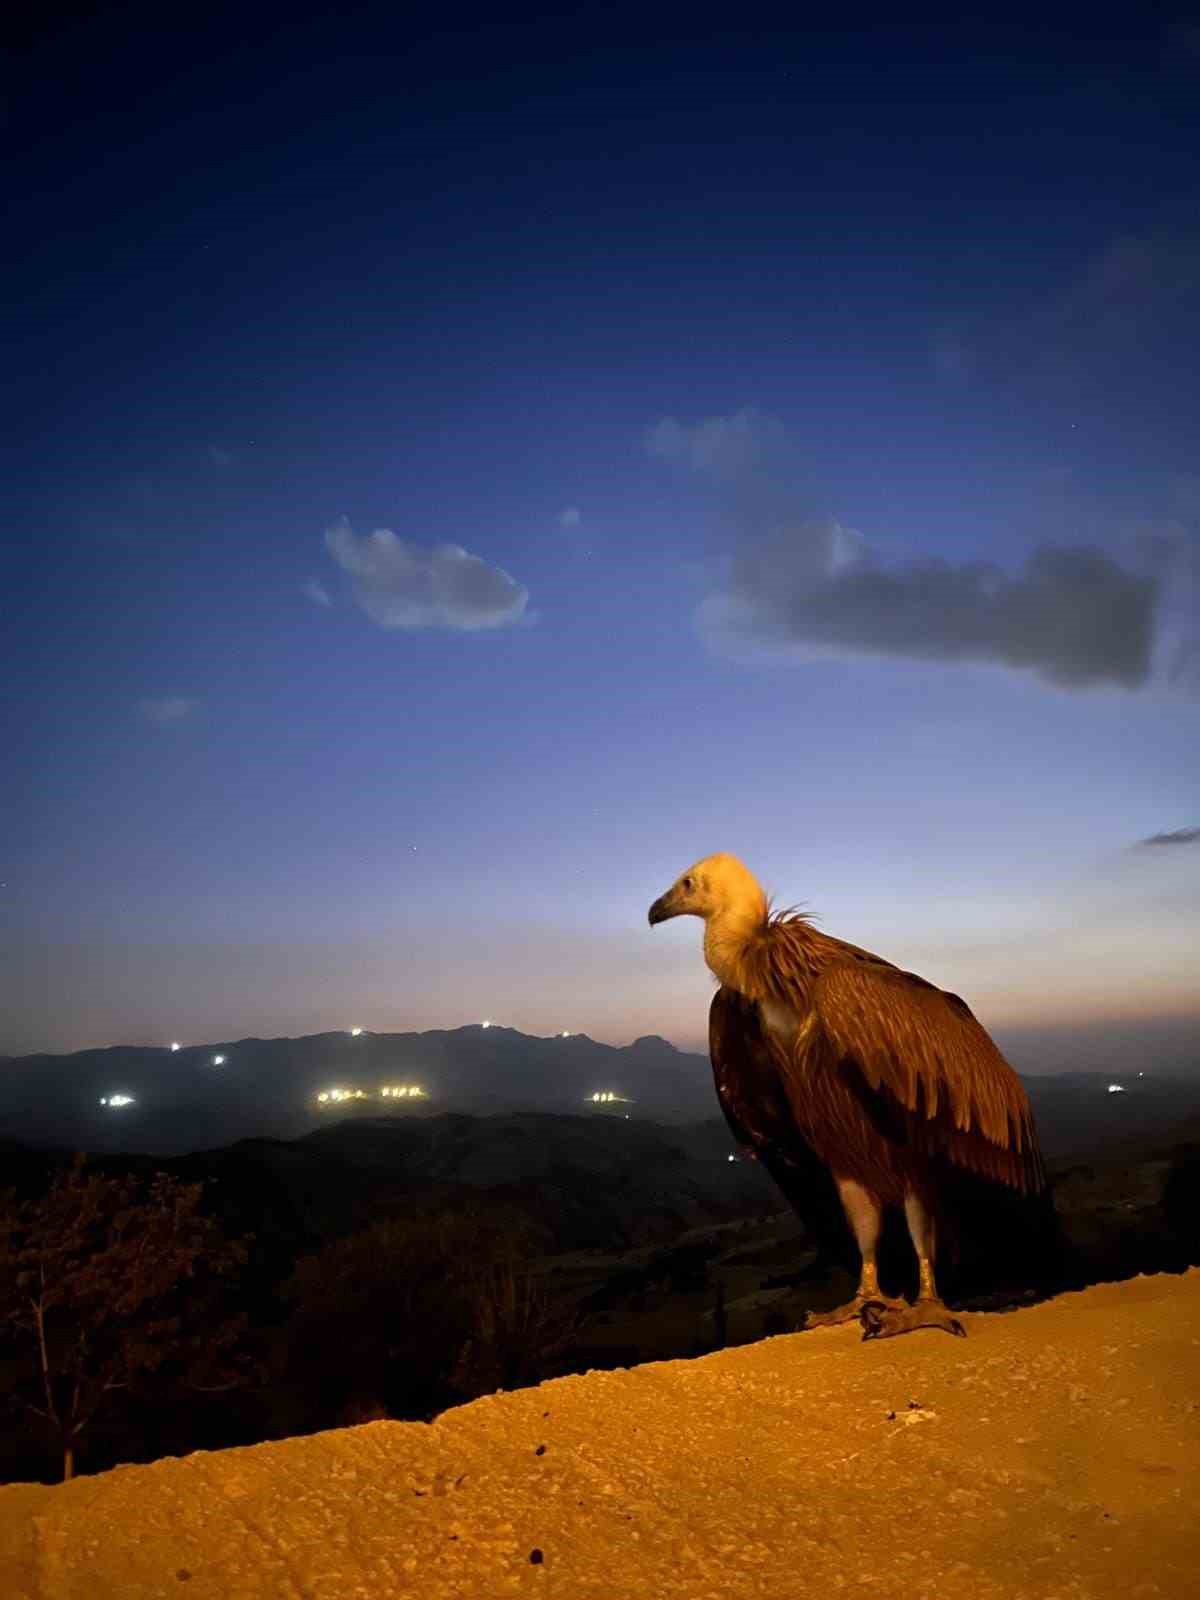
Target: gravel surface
x,y
1055,1452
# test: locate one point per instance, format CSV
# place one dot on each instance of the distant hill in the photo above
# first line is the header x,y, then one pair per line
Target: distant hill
x,y
187,1099
1078,1114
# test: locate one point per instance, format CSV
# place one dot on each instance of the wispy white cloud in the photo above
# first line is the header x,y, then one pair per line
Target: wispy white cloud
x,y
723,446
570,517
400,584
1182,41
1184,490
1119,302
316,591
163,712
1171,551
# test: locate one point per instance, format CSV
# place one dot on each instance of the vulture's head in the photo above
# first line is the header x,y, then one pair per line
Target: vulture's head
x,y
714,888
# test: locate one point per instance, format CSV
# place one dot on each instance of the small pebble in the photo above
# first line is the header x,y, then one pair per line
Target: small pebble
x,y
540,1451
536,1558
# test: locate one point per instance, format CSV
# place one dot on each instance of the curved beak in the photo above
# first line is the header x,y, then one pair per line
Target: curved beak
x,y
662,909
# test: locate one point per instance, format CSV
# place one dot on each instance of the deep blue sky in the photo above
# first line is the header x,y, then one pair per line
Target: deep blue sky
x,y
765,377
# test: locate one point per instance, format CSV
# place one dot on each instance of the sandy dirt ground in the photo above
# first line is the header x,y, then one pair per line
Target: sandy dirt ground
x,y
1053,1453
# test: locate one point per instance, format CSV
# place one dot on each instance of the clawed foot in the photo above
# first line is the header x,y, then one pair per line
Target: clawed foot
x,y
884,1319
852,1310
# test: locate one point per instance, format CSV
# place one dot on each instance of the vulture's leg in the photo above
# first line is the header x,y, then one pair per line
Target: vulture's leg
x,y
882,1322
865,1216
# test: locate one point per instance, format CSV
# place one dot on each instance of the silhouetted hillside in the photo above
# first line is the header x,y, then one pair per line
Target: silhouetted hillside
x,y
576,1241
188,1099
585,1181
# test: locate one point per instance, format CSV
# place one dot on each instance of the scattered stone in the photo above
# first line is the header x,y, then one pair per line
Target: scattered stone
x,y
536,1558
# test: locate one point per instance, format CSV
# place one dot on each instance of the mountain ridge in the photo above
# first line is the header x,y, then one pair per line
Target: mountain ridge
x,y
226,1090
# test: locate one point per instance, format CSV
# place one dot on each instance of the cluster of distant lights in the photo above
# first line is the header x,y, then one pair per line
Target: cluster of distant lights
x,y
1119,1088
390,1091
414,1091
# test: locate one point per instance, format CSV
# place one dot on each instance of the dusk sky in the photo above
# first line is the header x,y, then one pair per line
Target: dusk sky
x,y
460,473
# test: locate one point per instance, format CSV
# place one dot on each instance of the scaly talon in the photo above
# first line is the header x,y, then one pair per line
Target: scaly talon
x,y
881,1321
852,1309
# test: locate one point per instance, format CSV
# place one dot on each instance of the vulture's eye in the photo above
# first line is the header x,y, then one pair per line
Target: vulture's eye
x,y
687,884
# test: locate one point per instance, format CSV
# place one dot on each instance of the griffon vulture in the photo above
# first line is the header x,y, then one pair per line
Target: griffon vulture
x,y
820,1049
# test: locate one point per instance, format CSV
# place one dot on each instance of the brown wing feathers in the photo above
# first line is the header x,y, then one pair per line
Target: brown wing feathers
x,y
886,1066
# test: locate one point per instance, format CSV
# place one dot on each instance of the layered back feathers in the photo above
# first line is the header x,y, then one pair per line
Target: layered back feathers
x,y
885,1071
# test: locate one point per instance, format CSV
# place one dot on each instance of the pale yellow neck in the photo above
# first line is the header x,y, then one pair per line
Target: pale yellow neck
x,y
726,933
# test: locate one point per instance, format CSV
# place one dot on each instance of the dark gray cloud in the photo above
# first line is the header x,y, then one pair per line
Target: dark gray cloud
x,y
1073,616
1180,836
403,585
